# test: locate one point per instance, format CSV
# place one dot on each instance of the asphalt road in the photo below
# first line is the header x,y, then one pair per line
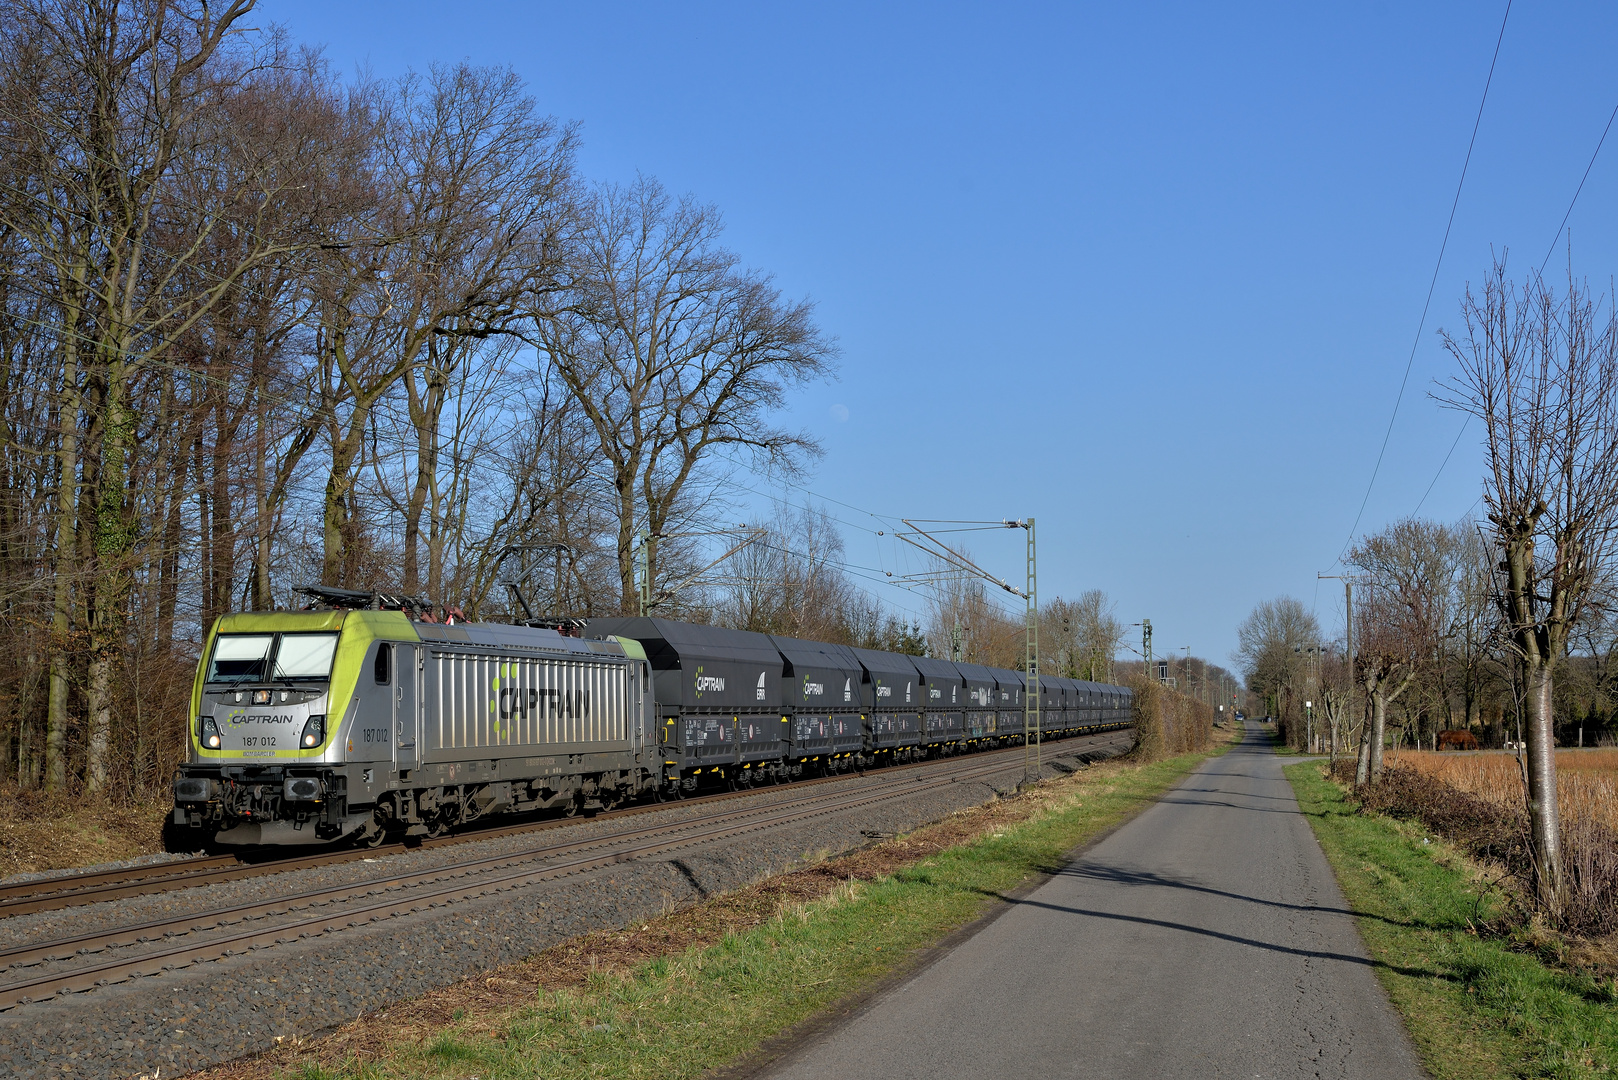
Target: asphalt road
x,y
1206,938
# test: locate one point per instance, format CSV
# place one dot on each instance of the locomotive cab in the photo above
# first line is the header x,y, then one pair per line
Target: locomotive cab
x,y
267,764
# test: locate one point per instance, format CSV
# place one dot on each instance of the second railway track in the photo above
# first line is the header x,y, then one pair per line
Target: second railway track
x,y
81,962
96,886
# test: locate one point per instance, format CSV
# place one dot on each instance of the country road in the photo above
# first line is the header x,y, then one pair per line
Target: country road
x,y
1206,938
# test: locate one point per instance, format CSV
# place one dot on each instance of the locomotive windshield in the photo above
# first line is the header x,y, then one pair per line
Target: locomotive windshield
x,y
245,658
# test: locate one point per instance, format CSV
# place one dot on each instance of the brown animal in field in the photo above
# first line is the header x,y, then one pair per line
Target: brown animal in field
x,y
1457,740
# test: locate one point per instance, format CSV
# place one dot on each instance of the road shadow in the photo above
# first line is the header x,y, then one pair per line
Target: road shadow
x,y
1201,931
1114,875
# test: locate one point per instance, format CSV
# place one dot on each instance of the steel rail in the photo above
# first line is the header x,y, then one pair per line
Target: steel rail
x,y
171,926
657,839
54,893
64,948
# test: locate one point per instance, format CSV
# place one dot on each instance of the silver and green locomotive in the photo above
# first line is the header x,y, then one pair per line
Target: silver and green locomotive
x,y
314,726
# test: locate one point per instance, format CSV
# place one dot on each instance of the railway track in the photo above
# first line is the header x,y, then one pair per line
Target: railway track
x,y
86,961
73,890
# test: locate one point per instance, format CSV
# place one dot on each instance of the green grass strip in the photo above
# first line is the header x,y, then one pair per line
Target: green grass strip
x,y
679,1016
1475,1007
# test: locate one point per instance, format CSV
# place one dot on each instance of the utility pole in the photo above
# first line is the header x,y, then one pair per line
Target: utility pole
x,y
1348,649
1031,701
1146,645
958,564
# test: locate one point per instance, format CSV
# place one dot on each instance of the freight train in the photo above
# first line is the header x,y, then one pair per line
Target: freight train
x,y
359,720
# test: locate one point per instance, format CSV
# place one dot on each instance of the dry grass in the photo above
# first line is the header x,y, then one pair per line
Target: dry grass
x,y
40,831
1477,801
1586,780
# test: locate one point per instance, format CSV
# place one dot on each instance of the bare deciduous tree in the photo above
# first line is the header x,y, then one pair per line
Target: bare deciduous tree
x,y
674,352
1541,372
1269,648
1407,587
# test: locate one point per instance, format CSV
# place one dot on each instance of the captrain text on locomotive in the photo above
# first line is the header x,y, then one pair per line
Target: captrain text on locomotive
x,y
308,727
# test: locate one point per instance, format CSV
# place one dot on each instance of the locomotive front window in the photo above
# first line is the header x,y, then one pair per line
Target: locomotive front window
x,y
248,658
240,658
305,656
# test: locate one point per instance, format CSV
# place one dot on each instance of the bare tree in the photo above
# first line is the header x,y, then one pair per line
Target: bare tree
x,y
1475,620
790,579
1269,648
1098,635
117,111
674,352
1408,573
1387,652
1541,372
467,184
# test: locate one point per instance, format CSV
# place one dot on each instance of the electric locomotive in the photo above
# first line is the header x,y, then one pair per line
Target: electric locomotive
x,y
354,722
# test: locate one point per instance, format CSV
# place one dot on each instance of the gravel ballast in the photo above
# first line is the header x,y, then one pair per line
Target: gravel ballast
x,y
214,1011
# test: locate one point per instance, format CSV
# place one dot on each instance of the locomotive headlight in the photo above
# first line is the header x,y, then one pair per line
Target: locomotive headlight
x,y
208,732
314,732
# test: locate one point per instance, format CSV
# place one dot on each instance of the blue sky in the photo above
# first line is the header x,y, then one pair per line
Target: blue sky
x,y
1150,273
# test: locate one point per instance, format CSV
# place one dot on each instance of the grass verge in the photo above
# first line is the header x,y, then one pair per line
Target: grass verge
x,y
701,988
1475,1007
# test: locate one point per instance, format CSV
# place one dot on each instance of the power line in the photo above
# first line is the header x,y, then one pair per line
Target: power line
x,y
1431,286
1543,263
1440,471
1580,188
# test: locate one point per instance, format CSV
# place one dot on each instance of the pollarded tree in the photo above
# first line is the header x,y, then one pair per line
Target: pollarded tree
x,y
1408,573
1387,656
1541,372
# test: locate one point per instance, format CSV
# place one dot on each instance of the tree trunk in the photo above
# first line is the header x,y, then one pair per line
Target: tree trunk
x,y
1379,730
1544,813
1362,766
626,544
425,412
65,568
338,566
113,539
260,570
97,751
221,518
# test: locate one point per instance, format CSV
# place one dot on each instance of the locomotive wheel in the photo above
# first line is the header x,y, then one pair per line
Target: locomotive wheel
x,y
376,837
437,827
